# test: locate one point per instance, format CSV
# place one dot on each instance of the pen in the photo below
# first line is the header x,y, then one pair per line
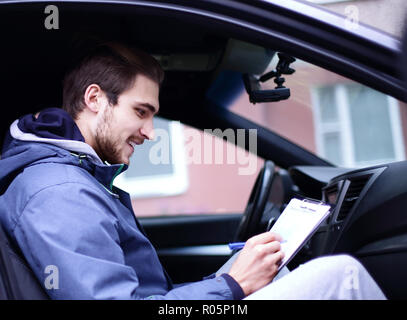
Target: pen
x,y
240,245
236,245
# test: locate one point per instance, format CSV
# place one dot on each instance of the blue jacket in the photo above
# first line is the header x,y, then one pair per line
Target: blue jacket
x,y
59,204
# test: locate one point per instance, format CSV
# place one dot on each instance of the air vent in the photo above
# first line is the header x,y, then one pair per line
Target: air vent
x,y
352,195
331,194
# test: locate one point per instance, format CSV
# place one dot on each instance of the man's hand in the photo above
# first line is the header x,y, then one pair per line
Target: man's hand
x,y
257,263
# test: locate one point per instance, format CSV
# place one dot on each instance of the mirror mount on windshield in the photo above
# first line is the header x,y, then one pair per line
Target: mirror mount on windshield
x,y
252,84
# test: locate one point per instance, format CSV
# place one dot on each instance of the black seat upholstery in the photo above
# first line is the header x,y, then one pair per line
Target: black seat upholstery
x,y
17,281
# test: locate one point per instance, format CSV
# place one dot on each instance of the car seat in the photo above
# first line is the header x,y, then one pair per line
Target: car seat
x,y
17,281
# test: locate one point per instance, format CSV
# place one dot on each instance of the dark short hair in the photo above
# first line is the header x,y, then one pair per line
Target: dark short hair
x,y
114,68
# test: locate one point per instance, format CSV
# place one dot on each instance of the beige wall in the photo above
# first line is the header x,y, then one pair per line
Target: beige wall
x,y
386,15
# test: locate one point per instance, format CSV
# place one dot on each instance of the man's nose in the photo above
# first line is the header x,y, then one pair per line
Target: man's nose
x,y
147,130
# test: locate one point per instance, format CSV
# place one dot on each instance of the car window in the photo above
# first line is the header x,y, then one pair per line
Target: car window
x,y
340,120
187,171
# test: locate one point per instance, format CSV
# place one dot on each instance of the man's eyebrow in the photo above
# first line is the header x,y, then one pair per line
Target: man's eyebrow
x,y
148,106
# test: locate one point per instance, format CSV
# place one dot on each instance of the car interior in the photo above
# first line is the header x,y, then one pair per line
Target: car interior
x,y
368,217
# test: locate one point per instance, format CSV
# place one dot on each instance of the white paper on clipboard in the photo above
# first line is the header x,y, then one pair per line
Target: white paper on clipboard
x,y
298,222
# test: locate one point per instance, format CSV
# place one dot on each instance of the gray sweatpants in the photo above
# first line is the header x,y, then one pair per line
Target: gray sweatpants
x,y
326,278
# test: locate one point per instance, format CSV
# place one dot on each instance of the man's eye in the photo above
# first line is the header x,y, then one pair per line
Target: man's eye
x,y
141,112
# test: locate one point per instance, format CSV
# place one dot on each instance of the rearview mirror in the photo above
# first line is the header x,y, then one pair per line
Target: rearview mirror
x,y
252,84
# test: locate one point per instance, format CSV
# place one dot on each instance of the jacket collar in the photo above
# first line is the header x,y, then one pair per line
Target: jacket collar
x,y
78,147
105,173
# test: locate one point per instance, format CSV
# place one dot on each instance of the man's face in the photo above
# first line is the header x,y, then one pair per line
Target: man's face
x,y
123,126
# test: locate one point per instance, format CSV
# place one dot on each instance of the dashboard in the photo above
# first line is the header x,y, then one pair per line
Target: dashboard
x,y
368,218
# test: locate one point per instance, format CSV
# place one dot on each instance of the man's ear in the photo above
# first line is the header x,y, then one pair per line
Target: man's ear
x,y
94,98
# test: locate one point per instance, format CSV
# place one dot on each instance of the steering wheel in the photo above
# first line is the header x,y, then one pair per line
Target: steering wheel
x,y
250,223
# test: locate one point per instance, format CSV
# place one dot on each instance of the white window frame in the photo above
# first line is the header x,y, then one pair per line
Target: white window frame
x,y
344,128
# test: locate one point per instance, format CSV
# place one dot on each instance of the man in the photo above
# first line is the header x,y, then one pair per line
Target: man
x,y
62,209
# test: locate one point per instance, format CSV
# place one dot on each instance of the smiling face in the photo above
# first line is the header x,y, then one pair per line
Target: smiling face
x,y
121,127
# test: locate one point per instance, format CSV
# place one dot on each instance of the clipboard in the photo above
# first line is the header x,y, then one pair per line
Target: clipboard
x,y
298,223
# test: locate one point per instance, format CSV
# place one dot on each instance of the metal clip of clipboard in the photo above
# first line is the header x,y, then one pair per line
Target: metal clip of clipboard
x,y
317,202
